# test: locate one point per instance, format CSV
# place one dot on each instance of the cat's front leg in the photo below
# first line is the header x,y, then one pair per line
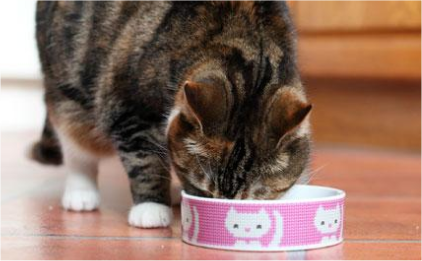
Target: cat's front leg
x,y
81,190
141,147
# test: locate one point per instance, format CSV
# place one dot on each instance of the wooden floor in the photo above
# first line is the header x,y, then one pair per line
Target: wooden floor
x,y
383,211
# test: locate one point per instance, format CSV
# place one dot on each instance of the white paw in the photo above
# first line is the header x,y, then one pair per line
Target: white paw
x,y
81,200
150,214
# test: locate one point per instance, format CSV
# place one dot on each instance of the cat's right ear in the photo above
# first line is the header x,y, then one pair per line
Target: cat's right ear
x,y
205,104
288,110
320,209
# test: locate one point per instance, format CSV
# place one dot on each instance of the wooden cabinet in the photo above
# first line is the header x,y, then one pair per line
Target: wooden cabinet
x,y
357,16
359,38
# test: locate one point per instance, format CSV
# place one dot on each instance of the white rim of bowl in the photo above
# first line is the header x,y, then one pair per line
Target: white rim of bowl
x,y
339,194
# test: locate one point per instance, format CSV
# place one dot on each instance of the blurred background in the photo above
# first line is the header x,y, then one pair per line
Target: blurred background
x,y
360,61
361,64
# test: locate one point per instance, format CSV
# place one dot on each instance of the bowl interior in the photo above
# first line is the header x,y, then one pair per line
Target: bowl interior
x,y
298,193
303,192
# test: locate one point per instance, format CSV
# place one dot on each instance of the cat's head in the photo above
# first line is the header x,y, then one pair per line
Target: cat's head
x,y
247,225
239,125
228,141
327,220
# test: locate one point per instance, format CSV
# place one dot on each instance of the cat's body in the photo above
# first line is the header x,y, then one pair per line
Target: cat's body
x,y
213,86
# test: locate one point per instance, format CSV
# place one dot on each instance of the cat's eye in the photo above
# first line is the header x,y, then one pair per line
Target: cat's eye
x,y
187,220
322,223
335,221
258,227
235,226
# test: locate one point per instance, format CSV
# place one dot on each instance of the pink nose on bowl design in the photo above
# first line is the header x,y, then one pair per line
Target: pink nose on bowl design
x,y
247,229
330,225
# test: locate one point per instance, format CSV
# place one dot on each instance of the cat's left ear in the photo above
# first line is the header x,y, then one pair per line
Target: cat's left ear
x,y
320,209
288,110
206,104
232,212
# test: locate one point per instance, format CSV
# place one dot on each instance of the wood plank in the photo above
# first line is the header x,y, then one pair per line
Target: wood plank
x,y
364,112
355,55
22,248
311,16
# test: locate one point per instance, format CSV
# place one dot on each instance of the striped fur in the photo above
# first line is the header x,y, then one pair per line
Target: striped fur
x,y
115,78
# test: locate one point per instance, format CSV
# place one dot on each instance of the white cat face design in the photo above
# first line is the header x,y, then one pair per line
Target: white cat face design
x,y
247,225
327,220
186,216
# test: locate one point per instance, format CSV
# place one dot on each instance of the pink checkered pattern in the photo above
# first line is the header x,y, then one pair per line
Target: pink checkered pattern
x,y
300,223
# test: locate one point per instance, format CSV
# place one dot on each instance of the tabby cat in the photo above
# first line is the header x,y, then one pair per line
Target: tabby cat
x,y
209,90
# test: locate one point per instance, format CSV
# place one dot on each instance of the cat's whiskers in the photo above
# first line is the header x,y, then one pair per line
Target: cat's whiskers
x,y
158,145
165,165
159,153
170,88
310,175
159,150
160,176
214,177
208,175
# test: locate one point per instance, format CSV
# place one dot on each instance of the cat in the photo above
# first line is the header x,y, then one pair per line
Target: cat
x,y
327,222
209,89
190,219
249,228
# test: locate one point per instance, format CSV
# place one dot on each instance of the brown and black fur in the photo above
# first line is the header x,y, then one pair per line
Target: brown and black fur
x,y
115,70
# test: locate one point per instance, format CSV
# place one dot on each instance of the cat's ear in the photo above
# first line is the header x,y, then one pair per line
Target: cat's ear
x,y
206,103
288,110
232,212
262,212
320,209
338,208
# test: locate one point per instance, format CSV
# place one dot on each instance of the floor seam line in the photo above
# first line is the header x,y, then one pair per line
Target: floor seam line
x,y
122,238
382,240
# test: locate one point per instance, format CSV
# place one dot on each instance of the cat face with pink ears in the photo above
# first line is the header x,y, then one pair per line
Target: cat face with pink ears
x,y
247,225
327,220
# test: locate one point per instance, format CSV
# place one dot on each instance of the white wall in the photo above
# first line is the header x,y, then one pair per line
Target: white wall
x,y
19,57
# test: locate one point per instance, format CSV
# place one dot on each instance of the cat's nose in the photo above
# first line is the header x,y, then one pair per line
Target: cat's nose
x,y
330,225
247,229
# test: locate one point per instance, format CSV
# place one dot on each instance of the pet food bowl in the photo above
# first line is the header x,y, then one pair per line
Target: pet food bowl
x,y
306,217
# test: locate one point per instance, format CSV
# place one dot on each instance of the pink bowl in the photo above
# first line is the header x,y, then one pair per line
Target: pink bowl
x,y
305,217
